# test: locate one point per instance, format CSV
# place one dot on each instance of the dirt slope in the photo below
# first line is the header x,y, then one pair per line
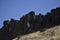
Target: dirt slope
x,y
49,34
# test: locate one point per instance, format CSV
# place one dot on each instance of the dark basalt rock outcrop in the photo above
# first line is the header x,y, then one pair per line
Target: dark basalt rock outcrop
x,y
29,23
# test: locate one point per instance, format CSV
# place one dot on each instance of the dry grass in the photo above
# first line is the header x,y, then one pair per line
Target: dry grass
x,y
49,34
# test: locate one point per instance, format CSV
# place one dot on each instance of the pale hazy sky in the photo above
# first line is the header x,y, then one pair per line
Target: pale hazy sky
x,y
17,8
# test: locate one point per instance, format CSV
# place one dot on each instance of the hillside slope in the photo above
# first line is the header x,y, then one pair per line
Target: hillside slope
x,y
49,34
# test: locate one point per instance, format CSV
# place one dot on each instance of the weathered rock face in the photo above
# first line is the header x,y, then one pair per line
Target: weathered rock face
x,y
29,23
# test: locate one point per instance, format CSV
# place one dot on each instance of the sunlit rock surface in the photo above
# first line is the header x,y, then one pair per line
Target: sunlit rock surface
x,y
49,34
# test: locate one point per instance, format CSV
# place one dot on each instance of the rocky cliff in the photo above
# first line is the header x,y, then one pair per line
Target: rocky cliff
x,y
29,23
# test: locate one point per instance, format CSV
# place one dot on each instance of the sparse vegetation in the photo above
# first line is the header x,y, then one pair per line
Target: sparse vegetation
x,y
49,34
